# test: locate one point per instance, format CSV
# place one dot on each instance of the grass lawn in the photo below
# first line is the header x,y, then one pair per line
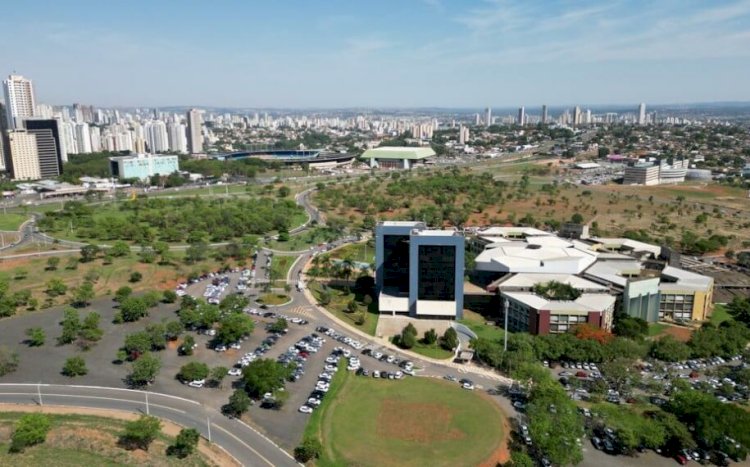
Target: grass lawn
x,y
280,267
654,329
476,323
432,351
720,314
87,440
12,221
411,422
273,299
340,298
363,252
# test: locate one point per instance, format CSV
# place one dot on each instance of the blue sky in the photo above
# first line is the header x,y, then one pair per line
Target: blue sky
x,y
384,53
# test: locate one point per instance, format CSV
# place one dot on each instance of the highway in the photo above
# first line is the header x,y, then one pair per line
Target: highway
x,y
238,439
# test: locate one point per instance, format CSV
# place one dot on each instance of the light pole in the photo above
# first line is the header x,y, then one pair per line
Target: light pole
x,y
208,424
505,340
148,412
39,393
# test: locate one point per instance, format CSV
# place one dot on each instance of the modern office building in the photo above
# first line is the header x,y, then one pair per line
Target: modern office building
x,y
521,116
419,272
19,100
49,147
195,137
656,173
23,162
4,152
536,313
395,157
143,166
684,295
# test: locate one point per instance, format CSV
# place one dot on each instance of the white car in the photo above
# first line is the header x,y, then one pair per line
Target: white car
x,y
196,383
220,348
235,345
235,372
211,332
313,402
306,409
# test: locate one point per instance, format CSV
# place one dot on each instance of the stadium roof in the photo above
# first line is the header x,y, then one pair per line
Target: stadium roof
x,y
398,152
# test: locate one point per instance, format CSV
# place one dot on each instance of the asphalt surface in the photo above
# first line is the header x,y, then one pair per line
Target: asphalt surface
x,y
242,442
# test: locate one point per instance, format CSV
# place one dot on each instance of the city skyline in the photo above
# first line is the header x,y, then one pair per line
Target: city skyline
x,y
423,54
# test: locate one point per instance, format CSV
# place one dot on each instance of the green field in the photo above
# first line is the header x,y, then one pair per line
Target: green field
x,y
654,329
340,298
11,221
76,440
476,323
280,267
273,299
432,351
411,422
720,314
363,252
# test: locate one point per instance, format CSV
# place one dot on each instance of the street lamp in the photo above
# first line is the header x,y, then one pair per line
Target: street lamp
x,y
505,341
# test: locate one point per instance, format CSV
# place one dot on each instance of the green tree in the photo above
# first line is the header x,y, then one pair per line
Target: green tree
x,y
186,348
138,434
82,294
137,343
119,249
193,371
89,253
52,263
55,288
739,308
133,309
169,296
233,327
430,337
449,340
263,376
173,329
157,332
74,366
36,337
669,349
217,375
135,276
30,429
520,459
185,443
122,293
144,370
8,360
238,403
71,324
280,325
309,449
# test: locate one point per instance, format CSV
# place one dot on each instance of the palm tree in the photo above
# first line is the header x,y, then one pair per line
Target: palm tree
x,y
347,268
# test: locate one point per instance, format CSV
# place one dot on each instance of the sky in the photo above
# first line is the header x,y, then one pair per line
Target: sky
x,y
384,53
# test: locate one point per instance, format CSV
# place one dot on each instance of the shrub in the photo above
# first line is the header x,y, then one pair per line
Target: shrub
x,y
136,276
31,429
309,449
74,366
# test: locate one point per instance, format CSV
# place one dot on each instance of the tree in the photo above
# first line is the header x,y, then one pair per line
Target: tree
x,y
8,360
238,403
56,287
89,253
309,449
283,191
72,263
135,276
52,263
280,325
139,434
185,443
669,349
157,332
520,459
71,324
83,294
407,339
193,371
263,376
449,340
630,327
144,370
74,366
119,249
122,293
217,375
137,343
31,429
133,309
233,327
430,337
187,346
36,337
169,296
739,308
173,329
620,373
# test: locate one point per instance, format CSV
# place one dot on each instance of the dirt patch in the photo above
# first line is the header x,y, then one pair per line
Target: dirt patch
x,y
213,453
416,422
679,333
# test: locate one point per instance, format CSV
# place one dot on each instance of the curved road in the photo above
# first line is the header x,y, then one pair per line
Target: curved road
x,y
242,442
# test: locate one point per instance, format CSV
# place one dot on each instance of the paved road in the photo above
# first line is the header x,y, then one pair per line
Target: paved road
x,y
242,442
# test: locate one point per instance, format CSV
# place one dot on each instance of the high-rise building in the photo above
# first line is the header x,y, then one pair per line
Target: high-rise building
x,y
544,114
521,116
24,158
577,116
83,138
19,100
463,134
156,136
642,114
195,137
419,271
488,116
176,135
4,151
48,145
477,119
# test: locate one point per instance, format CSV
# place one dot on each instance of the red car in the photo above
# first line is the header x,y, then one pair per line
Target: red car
x,y
681,459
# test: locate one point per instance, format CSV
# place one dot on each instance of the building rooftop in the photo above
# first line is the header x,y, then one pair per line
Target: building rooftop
x,y
415,224
398,152
615,271
511,232
581,305
435,233
529,280
554,255
625,243
674,279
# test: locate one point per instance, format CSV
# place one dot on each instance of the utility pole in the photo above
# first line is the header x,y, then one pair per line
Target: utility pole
x,y
505,340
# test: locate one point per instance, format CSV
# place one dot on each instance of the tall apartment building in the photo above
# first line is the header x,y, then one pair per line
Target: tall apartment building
x,y
488,116
420,272
24,158
19,100
521,116
195,137
642,114
50,151
544,114
4,151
